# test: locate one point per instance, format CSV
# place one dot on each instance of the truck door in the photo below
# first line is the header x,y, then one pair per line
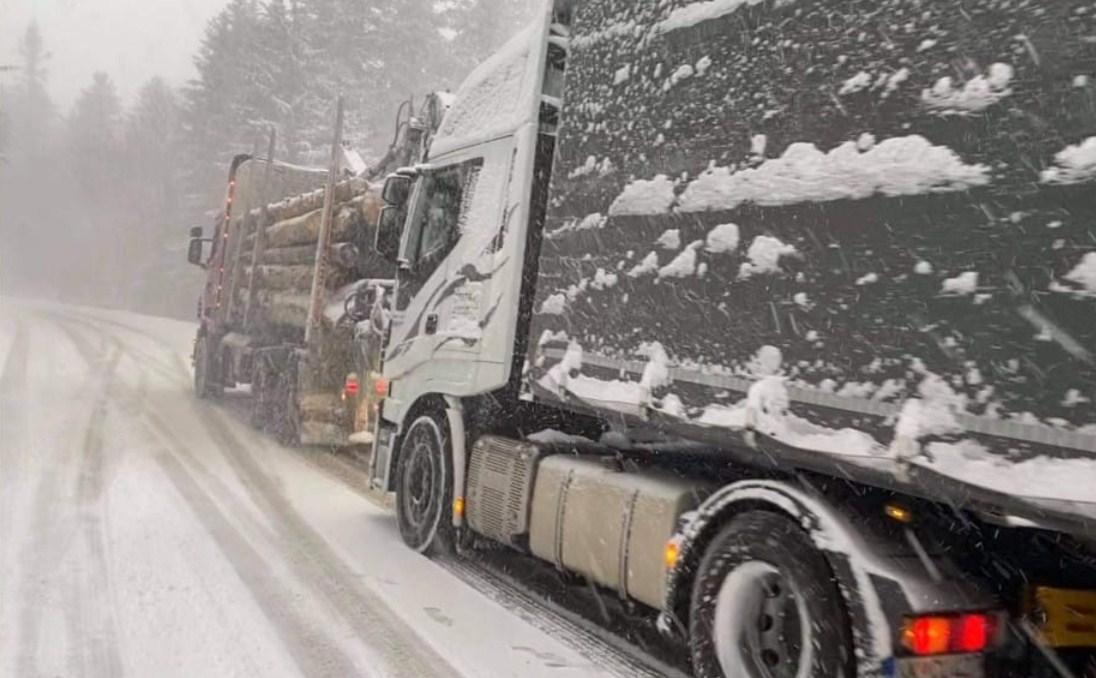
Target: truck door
x,y
440,203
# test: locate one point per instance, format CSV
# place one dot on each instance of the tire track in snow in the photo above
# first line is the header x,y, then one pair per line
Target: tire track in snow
x,y
313,652
97,582
306,552
13,379
318,564
53,533
14,371
602,647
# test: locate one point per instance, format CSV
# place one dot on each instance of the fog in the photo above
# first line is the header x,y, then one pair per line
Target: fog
x,y
132,40
118,120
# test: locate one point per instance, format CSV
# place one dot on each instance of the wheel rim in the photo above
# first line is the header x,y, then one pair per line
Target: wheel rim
x,y
761,627
419,493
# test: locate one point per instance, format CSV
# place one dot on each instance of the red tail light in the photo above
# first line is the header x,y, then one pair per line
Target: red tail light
x,y
948,634
973,632
352,386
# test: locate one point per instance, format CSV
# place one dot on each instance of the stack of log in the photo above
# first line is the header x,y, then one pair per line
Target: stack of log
x,y
287,255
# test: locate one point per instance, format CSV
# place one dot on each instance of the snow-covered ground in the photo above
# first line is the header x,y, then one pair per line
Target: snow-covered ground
x,y
144,532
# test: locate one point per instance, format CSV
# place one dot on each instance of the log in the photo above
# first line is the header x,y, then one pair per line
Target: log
x,y
344,254
367,208
306,228
297,277
299,205
284,277
297,254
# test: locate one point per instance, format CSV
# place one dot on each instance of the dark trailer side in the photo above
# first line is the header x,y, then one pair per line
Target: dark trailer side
x,y
811,300
853,238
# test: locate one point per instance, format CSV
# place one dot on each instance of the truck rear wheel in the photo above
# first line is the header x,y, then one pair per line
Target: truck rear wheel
x,y
424,490
262,393
285,419
206,383
765,605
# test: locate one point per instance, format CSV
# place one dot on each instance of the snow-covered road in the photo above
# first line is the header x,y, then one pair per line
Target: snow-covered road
x,y
146,533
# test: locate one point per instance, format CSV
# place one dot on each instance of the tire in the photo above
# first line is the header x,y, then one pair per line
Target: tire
x,y
763,582
424,487
285,420
261,396
206,385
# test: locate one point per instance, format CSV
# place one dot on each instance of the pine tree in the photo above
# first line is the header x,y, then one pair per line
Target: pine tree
x,y
224,106
162,283
33,112
95,127
28,172
100,246
153,142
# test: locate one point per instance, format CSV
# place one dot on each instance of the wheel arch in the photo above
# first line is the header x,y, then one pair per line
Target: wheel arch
x,y
829,530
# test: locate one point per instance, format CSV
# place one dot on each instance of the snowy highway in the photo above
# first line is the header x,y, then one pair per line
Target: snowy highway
x,y
144,532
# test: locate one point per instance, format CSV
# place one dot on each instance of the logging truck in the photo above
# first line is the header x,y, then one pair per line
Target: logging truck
x,y
294,292
774,317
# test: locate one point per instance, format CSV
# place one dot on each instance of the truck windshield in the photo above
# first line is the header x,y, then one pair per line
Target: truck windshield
x,y
442,206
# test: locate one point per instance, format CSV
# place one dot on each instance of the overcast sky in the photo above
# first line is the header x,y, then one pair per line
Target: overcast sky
x,y
132,40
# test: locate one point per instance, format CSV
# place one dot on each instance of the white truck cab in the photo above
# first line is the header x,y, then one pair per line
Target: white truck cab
x,y
463,233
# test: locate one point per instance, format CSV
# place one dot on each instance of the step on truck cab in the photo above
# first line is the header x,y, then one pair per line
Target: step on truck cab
x,y
775,317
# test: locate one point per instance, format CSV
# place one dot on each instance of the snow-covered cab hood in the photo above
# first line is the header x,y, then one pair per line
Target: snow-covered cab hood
x,y
499,96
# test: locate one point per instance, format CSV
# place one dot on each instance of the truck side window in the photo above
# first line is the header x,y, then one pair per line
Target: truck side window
x,y
443,205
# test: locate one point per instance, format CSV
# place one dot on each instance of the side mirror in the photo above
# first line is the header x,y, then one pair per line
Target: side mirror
x,y
194,249
397,188
387,241
194,252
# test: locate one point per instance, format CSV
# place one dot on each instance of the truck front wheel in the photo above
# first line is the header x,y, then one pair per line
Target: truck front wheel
x,y
765,605
424,490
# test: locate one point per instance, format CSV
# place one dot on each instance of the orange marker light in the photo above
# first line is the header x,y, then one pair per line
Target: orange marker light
x,y
671,554
898,513
458,507
380,387
927,635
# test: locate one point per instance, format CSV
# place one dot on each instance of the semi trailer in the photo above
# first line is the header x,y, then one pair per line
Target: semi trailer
x,y
774,317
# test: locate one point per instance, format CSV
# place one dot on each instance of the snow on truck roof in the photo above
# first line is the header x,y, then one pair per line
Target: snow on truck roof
x,y
498,97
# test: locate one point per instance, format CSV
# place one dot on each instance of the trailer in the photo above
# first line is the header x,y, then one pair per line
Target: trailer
x,y
775,317
292,283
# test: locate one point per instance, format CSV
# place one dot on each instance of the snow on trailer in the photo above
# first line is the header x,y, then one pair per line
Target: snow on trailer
x,y
860,233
